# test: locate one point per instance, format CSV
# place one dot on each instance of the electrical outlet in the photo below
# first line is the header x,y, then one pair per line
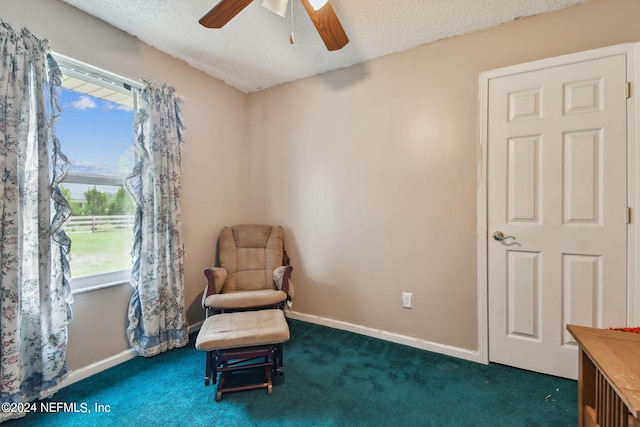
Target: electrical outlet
x,y
407,299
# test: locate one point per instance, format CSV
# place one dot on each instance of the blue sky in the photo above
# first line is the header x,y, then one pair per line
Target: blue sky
x,y
95,134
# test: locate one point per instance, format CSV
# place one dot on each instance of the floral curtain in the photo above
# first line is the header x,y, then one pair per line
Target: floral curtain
x,y
34,250
157,318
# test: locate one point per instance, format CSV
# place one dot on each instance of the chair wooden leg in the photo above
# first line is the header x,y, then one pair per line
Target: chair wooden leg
x,y
228,362
208,363
267,373
279,359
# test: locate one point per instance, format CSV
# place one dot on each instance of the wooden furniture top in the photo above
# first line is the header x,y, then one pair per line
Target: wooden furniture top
x,y
616,354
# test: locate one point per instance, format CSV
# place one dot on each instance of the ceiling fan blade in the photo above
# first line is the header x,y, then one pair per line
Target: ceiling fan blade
x,y
328,25
223,12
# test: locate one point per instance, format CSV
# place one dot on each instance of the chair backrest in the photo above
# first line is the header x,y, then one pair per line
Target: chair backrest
x,y
250,253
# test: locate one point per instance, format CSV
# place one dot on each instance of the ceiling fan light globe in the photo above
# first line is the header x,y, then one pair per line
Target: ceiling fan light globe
x,y
318,4
279,7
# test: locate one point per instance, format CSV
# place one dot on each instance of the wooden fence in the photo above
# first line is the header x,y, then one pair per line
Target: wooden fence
x,y
97,224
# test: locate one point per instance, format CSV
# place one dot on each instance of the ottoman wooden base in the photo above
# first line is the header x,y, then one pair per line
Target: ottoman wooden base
x,y
241,341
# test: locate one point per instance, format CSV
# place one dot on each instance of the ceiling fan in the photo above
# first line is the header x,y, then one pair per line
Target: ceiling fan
x,y
321,12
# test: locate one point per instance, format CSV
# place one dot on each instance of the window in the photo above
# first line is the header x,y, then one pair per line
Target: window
x,y
95,130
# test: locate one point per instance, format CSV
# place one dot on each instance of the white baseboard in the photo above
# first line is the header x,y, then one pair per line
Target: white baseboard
x,y
96,367
471,355
461,353
195,327
104,364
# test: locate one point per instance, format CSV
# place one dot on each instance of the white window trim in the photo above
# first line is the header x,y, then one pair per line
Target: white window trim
x,y
83,71
96,282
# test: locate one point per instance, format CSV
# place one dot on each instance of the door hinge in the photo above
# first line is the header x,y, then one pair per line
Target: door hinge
x,y
628,90
628,215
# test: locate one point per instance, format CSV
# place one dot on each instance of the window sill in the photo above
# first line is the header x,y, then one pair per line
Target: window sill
x,y
99,287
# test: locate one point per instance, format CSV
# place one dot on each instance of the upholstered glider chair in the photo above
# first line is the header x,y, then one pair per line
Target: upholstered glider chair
x,y
254,271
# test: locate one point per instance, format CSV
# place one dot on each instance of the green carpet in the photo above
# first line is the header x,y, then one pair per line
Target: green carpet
x,y
332,378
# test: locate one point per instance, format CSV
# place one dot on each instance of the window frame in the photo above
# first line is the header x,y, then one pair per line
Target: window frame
x,y
94,75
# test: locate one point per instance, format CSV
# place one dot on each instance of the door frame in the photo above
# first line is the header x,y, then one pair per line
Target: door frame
x,y
632,52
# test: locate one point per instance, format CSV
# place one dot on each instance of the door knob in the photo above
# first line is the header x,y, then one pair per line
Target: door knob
x,y
499,236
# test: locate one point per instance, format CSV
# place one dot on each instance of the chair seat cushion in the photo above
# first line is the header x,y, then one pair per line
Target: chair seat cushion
x,y
245,299
242,329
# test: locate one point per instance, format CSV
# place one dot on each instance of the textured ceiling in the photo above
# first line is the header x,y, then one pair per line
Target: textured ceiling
x,y
253,52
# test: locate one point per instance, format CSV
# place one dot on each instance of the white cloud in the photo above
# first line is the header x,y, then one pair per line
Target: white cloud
x,y
124,108
83,103
81,166
108,106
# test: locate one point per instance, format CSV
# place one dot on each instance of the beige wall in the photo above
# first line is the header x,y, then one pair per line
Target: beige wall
x,y
372,171
215,174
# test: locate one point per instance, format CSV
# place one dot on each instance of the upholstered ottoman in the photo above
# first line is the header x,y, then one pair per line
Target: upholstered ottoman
x,y
240,341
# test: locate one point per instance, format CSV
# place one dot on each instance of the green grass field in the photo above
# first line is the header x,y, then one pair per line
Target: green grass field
x,y
93,253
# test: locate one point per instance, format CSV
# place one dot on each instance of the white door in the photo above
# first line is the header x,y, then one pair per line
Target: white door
x,y
557,183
